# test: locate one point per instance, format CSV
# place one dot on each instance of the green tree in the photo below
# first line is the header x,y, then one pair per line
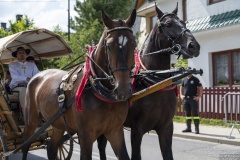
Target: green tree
x,y
88,25
23,24
3,33
181,63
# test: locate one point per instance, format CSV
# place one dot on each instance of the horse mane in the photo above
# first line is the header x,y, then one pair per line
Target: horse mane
x,y
153,43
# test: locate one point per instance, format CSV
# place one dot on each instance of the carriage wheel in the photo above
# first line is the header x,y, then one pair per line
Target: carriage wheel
x,y
65,150
3,145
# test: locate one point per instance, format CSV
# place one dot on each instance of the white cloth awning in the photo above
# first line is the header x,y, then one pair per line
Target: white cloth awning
x,y
43,44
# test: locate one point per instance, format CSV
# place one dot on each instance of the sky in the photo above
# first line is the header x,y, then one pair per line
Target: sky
x,y
44,13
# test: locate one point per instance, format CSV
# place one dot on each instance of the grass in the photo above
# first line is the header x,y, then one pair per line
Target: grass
x,y
211,122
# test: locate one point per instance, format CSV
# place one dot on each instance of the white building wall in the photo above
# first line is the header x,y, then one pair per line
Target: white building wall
x,y
200,8
221,39
165,6
214,40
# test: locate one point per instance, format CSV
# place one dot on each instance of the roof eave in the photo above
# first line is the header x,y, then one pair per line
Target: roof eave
x,y
143,11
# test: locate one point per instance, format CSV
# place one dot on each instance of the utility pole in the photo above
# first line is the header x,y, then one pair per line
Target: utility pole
x,y
68,20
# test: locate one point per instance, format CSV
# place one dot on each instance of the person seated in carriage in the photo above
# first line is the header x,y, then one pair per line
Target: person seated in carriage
x,y
30,59
21,72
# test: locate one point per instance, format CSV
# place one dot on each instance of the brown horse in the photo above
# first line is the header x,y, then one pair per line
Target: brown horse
x,y
112,62
155,111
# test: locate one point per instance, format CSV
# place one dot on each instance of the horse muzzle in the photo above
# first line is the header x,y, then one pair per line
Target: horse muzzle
x,y
122,92
192,50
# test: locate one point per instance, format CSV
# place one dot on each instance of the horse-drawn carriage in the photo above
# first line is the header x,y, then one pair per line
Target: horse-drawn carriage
x,y
44,44
101,91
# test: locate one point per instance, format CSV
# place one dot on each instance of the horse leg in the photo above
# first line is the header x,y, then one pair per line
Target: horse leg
x,y
86,139
28,132
31,123
136,141
55,141
102,143
165,140
117,141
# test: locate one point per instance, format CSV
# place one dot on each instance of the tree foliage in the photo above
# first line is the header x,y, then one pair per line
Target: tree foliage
x,y
87,27
23,24
181,63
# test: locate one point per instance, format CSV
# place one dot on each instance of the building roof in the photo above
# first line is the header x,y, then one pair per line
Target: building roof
x,y
145,6
139,3
215,21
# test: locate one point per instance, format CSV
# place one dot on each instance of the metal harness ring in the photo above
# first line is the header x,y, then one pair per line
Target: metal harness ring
x,y
174,47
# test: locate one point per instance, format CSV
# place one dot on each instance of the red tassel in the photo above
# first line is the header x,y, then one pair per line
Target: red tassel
x,y
83,82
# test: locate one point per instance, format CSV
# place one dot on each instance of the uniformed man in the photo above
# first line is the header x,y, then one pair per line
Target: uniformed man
x,y
191,91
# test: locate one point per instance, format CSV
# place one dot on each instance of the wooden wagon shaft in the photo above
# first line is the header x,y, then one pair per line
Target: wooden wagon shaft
x,y
160,85
14,146
42,129
38,132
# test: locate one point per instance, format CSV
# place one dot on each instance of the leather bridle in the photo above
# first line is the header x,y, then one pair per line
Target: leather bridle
x,y
175,49
161,27
119,53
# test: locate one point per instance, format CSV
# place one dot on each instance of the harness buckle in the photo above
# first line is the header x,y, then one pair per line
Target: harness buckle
x,y
61,98
70,86
64,78
74,78
176,49
64,86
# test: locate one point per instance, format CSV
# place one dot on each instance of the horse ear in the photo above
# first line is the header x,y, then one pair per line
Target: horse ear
x,y
131,19
158,11
106,20
176,9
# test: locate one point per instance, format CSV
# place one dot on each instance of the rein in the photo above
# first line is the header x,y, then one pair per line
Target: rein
x,y
174,49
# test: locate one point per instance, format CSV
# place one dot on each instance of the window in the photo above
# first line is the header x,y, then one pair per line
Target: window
x,y
226,68
215,1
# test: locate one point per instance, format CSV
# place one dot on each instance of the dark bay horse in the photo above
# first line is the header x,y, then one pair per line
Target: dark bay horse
x,y
155,111
111,62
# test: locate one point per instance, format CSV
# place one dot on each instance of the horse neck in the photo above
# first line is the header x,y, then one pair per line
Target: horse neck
x,y
159,61
99,58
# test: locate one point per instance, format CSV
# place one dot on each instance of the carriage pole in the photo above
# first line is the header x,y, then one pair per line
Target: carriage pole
x,y
160,85
59,113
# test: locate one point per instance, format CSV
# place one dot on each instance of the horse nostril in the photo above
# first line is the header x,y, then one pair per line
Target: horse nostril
x,y
191,45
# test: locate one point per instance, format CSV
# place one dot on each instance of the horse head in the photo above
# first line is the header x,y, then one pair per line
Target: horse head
x,y
176,33
117,47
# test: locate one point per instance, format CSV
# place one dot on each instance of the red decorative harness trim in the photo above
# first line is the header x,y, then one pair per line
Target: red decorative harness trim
x,y
137,69
86,72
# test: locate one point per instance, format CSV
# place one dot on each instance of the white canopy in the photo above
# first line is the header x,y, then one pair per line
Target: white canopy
x,y
43,44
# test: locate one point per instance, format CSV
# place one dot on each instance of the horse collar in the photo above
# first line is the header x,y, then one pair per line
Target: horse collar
x,y
99,90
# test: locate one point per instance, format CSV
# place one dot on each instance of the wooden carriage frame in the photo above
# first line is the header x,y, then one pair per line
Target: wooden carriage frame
x,y
43,44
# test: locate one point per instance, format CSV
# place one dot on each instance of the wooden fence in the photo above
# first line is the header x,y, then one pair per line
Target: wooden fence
x,y
213,105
